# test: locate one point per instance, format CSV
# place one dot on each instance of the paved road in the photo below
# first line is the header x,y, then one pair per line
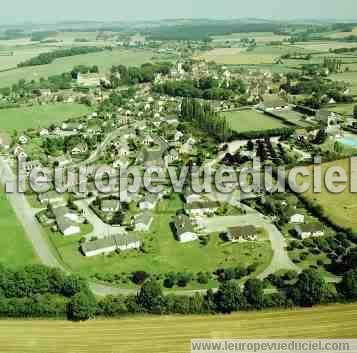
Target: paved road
x,y
100,229
34,232
281,259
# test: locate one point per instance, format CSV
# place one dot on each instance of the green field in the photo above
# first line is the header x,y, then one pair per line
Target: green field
x,y
251,120
342,207
172,334
39,116
165,254
104,60
16,248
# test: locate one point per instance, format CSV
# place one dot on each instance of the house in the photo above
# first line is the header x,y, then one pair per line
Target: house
x,y
184,229
143,221
23,140
88,80
305,231
171,156
30,165
190,196
200,208
242,234
148,140
44,132
297,218
67,221
110,244
51,198
150,201
110,205
326,117
79,149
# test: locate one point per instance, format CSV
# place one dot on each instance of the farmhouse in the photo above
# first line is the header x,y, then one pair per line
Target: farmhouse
x,y
242,234
305,231
143,221
184,229
110,244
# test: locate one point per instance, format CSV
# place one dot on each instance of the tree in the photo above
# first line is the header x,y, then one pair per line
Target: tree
x,y
349,284
355,112
139,277
151,297
82,306
229,297
254,292
309,289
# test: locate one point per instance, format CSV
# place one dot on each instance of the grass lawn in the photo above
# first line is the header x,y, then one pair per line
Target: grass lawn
x,y
342,207
164,252
37,116
16,249
251,120
350,77
157,334
104,60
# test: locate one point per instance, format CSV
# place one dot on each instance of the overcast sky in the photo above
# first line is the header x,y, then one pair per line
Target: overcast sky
x,y
56,10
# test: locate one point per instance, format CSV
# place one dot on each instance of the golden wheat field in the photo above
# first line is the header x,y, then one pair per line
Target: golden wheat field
x,y
173,333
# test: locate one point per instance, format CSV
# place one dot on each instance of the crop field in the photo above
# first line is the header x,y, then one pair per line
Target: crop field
x,y
104,60
350,77
166,254
260,37
251,120
323,46
39,116
240,56
343,34
341,207
10,57
169,334
16,250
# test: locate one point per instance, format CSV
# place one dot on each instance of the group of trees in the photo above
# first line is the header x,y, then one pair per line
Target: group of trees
x,y
202,115
122,75
332,64
206,88
48,58
38,291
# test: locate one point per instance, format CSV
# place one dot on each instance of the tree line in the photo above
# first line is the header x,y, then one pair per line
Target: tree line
x,y
48,58
202,116
206,88
122,75
39,291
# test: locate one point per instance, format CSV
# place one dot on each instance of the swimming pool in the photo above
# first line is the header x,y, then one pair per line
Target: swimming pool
x,y
352,142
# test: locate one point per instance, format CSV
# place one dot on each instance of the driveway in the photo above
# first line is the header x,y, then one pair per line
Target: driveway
x,y
280,260
100,229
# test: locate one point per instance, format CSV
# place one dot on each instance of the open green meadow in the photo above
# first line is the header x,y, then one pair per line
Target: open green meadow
x,y
104,60
251,120
164,253
341,207
16,248
169,334
39,116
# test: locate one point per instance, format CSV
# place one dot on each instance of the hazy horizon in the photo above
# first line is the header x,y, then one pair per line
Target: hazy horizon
x,y
118,10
